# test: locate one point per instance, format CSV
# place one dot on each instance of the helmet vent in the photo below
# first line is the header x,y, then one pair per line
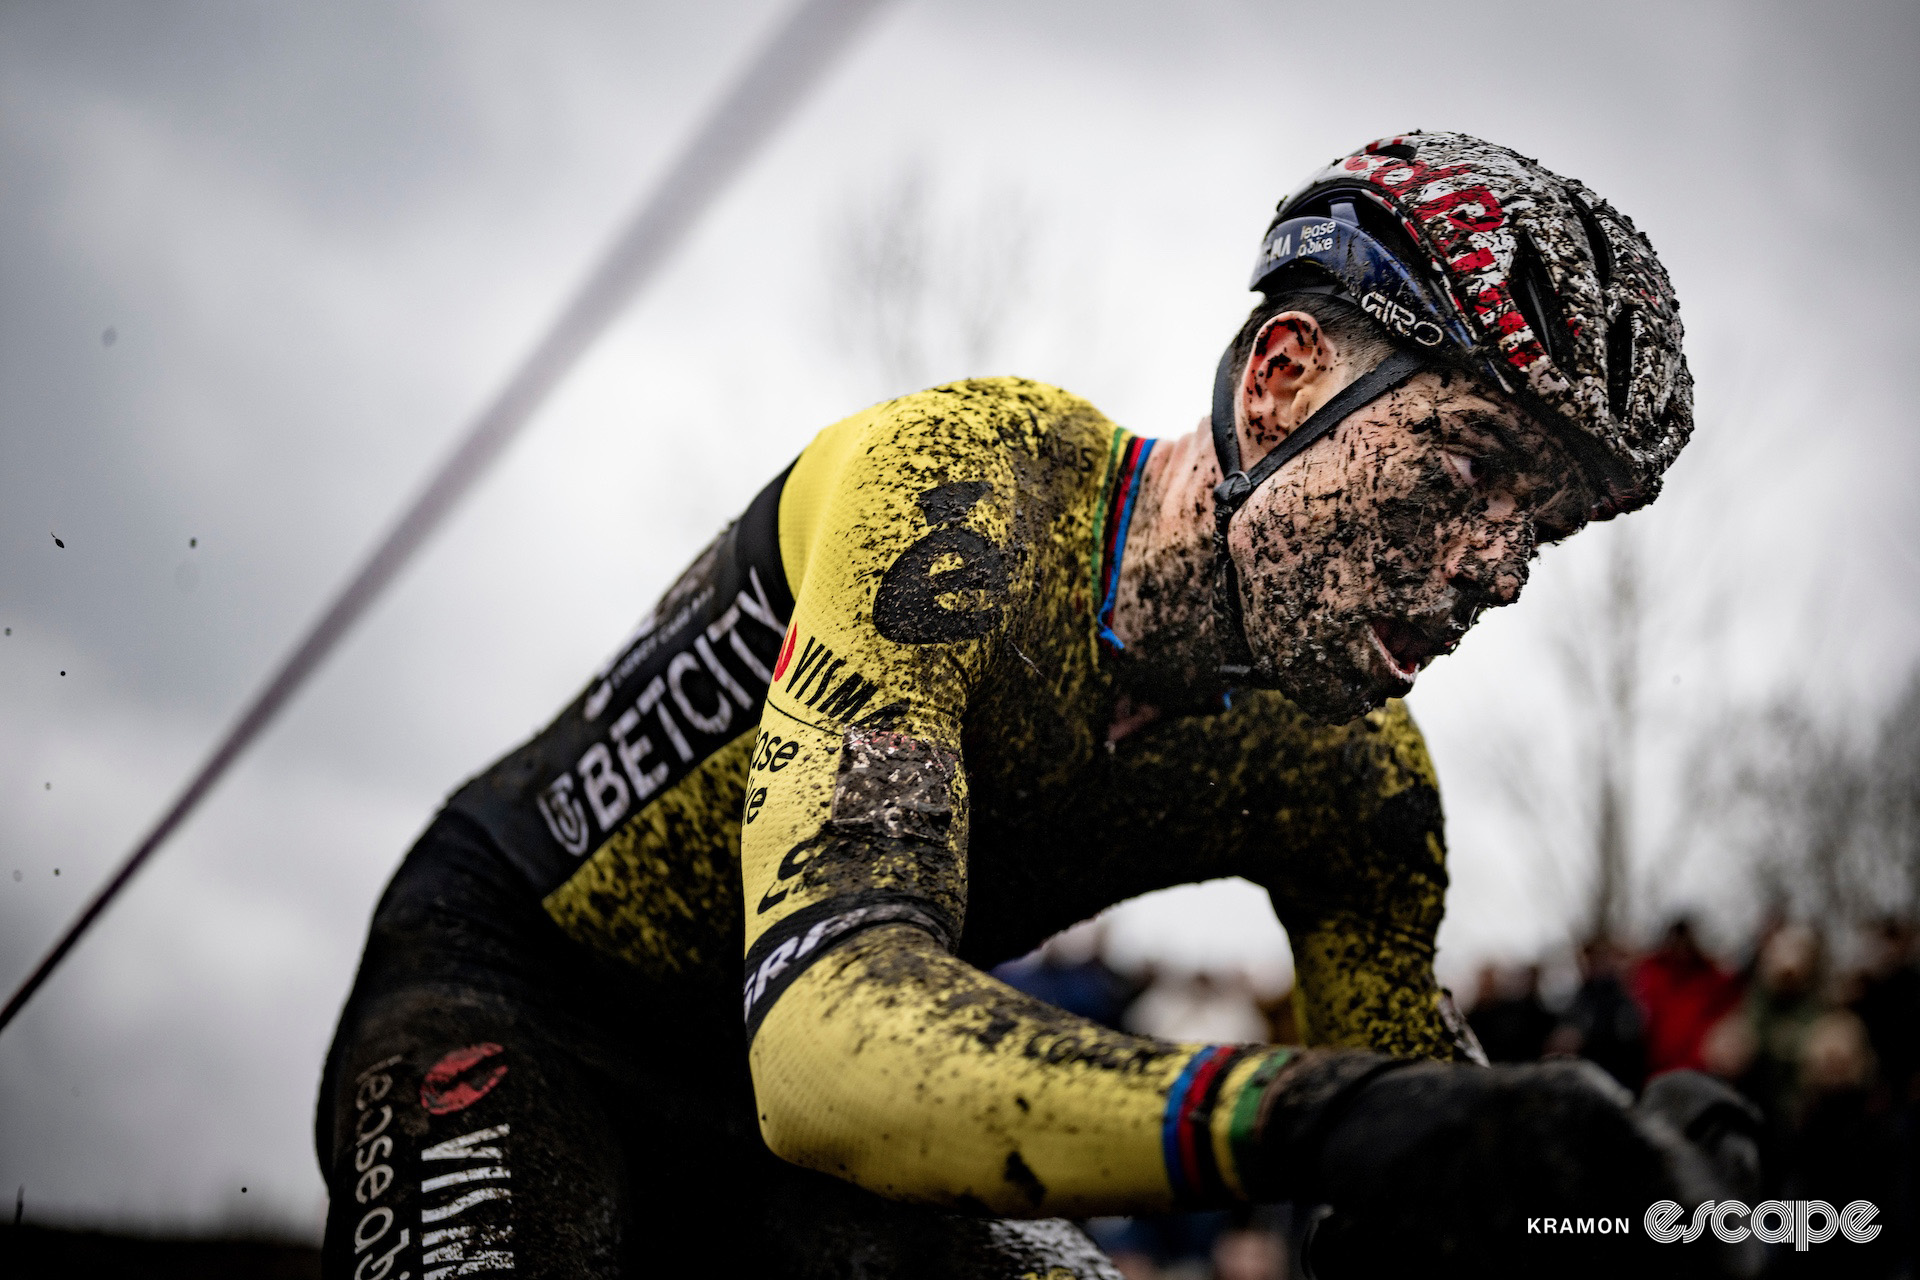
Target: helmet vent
x,y
1620,363
1398,150
1597,242
1533,293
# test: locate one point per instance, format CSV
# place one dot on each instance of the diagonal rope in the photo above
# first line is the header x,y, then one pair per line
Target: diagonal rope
x,y
770,87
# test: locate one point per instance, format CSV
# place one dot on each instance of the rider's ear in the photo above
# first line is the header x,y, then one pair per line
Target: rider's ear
x,y
1287,375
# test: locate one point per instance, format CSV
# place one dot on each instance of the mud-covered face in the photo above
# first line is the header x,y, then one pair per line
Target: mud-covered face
x,y
1371,553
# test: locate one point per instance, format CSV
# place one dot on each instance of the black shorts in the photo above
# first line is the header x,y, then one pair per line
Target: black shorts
x,y
499,1100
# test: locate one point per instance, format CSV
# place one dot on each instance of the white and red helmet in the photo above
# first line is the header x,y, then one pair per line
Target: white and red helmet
x,y
1472,255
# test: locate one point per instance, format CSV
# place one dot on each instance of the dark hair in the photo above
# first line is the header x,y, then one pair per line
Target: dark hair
x,y
1359,338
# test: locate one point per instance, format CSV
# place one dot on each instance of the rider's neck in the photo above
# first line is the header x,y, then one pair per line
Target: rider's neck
x,y
1163,611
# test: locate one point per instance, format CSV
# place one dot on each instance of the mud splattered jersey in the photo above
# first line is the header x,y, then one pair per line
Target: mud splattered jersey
x,y
864,739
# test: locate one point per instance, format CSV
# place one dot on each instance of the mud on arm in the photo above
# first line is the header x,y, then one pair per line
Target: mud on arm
x,y
877,1056
1363,898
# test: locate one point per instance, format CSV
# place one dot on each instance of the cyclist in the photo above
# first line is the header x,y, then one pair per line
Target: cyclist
x,y
975,666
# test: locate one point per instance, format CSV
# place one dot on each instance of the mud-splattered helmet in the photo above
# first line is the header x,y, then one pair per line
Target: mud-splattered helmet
x,y
1472,256
1478,256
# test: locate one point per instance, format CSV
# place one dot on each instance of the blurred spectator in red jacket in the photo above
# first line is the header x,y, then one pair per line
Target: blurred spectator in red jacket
x,y
1682,994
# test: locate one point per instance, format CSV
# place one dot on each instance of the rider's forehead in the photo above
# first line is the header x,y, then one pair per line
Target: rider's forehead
x,y
1471,404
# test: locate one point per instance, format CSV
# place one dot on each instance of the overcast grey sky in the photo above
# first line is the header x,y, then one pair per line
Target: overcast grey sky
x,y
259,263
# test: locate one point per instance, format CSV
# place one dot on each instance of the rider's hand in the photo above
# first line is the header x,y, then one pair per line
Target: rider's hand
x,y
1449,1168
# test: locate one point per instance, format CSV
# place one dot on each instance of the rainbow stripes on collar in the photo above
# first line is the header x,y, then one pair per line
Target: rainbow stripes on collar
x,y
1208,1134
1123,488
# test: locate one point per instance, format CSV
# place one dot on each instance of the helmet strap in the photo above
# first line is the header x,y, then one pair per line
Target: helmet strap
x,y
1238,485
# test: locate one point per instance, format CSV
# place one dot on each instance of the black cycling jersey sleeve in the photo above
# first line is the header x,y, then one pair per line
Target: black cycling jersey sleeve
x,y
691,678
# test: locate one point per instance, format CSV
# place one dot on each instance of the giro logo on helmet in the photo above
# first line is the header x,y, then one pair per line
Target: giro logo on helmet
x,y
1401,320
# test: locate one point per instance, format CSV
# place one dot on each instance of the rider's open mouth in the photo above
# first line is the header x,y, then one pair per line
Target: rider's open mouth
x,y
1403,648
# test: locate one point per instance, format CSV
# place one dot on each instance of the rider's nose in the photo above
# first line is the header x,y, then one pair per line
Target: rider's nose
x,y
1492,571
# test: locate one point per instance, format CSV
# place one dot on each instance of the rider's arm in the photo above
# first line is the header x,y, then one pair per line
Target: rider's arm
x,y
1362,909
876,1055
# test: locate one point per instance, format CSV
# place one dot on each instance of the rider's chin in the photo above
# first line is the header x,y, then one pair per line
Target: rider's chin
x,y
1330,687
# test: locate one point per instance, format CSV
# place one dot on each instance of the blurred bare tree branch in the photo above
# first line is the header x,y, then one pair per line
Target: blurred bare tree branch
x,y
928,285
1603,656
1609,642
1798,802
1824,811
1895,811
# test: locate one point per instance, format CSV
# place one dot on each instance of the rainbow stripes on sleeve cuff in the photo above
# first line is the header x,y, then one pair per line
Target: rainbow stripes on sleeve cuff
x,y
1207,1134
1130,466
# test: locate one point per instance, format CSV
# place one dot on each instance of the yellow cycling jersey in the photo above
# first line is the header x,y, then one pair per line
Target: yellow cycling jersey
x,y
864,740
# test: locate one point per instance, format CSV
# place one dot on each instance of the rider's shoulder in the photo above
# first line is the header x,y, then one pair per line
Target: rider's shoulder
x,y
990,409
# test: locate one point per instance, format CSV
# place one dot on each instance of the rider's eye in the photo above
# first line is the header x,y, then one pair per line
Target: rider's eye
x,y
1471,470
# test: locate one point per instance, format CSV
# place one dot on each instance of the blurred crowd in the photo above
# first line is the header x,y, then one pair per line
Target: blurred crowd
x,y
1822,1033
